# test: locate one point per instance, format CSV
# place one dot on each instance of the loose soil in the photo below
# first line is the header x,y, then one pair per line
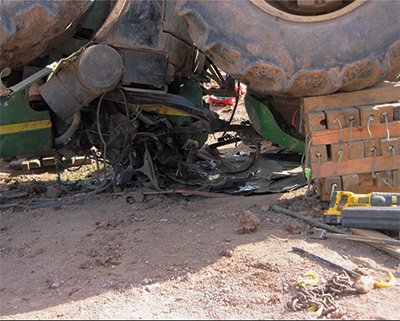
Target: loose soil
x,y
125,255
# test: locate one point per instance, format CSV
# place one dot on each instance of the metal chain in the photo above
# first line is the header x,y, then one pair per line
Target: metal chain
x,y
321,298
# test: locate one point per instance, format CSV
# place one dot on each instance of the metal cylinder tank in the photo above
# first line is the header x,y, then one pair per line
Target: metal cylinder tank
x,y
97,70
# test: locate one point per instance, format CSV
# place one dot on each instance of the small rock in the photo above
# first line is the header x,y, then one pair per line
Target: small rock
x,y
117,189
146,281
179,299
294,227
248,222
103,224
37,188
34,253
363,285
265,208
55,285
138,197
228,253
52,192
227,239
338,313
84,266
101,261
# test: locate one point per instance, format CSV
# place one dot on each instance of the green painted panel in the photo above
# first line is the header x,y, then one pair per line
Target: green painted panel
x,y
191,90
264,123
27,142
17,111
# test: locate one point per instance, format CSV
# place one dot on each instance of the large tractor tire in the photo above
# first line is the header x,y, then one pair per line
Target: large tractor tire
x,y
289,47
30,29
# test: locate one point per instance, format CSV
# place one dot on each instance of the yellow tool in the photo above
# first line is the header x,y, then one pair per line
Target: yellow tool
x,y
341,200
392,282
308,279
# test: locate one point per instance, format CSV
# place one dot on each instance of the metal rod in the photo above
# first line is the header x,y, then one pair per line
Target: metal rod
x,y
373,149
33,78
385,114
308,220
325,261
371,117
337,120
393,150
351,130
340,152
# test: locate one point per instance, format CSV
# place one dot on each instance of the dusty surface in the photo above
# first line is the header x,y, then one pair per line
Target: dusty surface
x,y
130,256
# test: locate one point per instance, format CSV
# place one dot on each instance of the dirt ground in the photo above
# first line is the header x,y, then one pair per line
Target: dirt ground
x,y
126,255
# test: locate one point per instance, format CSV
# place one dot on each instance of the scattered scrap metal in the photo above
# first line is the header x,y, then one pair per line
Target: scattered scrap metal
x,y
207,174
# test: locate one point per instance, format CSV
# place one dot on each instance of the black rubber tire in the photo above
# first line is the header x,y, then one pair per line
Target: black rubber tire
x,y
30,29
355,49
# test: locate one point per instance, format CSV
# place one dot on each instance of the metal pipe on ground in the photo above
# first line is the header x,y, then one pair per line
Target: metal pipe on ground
x,y
383,248
308,220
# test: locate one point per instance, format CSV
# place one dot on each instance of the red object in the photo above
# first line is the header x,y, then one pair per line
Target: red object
x,y
294,115
243,89
222,100
137,229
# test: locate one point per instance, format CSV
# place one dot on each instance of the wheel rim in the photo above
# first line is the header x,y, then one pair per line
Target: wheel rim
x,y
306,10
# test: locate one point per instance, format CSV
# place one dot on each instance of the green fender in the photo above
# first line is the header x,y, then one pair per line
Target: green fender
x,y
264,123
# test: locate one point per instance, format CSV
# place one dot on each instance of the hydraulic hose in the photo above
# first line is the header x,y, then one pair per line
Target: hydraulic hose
x,y
61,140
